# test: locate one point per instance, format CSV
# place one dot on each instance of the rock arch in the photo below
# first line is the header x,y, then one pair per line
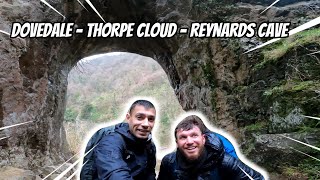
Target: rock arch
x,y
206,74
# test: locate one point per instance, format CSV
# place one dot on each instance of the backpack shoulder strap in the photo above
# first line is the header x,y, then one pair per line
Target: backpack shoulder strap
x,y
96,138
88,160
228,146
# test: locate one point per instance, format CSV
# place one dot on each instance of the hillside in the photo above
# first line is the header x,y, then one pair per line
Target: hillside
x,y
99,89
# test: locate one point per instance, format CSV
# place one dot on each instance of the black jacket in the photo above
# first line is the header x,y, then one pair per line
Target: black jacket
x,y
216,165
119,155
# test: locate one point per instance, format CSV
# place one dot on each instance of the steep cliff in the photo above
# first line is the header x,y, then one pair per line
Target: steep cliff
x,y
253,96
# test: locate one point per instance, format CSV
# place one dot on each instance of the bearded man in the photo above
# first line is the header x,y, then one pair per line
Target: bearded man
x,y
201,157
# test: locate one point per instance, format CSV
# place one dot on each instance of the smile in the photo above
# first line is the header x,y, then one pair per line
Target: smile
x,y
191,149
144,131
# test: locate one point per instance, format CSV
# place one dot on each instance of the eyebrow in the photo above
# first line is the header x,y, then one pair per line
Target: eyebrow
x,y
143,114
180,136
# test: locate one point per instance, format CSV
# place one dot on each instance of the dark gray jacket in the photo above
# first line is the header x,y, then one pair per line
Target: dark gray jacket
x,y
119,155
216,165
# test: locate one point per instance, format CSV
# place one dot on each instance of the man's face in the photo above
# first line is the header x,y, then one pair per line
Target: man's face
x,y
141,121
191,143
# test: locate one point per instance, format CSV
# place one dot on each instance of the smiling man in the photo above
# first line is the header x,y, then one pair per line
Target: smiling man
x,y
201,157
128,153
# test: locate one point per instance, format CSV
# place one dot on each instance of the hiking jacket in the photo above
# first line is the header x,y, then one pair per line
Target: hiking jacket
x,y
218,165
227,145
119,155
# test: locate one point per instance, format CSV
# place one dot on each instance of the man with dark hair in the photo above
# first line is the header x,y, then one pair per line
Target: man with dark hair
x,y
201,157
188,123
127,152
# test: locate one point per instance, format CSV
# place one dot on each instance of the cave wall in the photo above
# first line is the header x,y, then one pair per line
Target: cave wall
x,y
209,75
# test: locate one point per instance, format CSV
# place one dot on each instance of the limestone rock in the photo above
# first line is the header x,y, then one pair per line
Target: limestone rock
x,y
210,75
11,173
274,151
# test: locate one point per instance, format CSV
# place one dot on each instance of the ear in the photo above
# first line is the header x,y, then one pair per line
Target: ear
x,y
204,138
128,117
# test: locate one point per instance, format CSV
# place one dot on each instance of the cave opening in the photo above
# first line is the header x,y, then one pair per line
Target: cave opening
x,y
100,86
208,75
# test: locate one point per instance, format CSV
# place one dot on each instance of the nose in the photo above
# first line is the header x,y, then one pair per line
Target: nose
x,y
145,123
189,140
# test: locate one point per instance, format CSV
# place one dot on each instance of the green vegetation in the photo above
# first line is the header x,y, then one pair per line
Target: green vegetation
x,y
98,91
294,98
256,127
206,5
294,173
296,75
70,115
291,87
293,94
87,111
240,89
248,146
309,168
306,129
208,74
210,8
277,50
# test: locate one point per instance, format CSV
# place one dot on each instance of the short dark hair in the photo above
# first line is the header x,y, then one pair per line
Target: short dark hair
x,y
146,104
188,123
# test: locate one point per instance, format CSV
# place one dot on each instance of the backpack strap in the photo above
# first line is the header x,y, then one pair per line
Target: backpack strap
x,y
87,169
151,151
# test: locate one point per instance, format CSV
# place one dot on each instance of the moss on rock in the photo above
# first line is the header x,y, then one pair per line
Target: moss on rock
x,y
276,51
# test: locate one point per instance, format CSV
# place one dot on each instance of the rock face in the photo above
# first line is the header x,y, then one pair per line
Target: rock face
x,y
17,174
210,75
268,147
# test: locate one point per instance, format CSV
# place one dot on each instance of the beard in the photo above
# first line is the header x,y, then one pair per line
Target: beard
x,y
194,157
191,165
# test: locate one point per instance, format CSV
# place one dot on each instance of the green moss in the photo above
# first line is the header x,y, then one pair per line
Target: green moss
x,y
206,5
256,127
309,168
292,172
277,50
235,46
209,76
213,101
248,147
305,129
240,89
273,91
305,85
291,87
292,95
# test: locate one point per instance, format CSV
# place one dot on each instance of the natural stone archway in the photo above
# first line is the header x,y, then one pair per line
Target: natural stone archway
x,y
208,75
